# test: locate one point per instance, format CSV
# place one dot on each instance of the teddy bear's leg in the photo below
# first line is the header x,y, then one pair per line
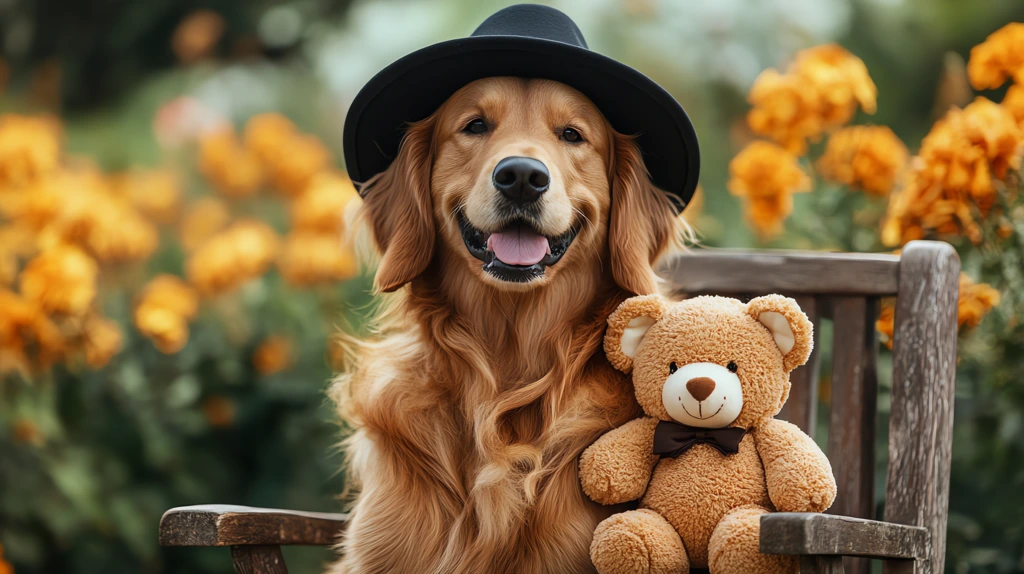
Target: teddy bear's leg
x,y
638,541
733,548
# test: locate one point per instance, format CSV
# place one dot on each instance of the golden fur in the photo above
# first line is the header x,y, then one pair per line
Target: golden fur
x,y
473,401
710,502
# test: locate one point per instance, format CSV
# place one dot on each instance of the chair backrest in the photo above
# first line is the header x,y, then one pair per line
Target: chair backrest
x,y
846,289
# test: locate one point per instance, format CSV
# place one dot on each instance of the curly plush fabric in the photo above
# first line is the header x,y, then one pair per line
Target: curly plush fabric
x,y
712,502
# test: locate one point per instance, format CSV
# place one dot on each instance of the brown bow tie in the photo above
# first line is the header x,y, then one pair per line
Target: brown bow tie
x,y
672,439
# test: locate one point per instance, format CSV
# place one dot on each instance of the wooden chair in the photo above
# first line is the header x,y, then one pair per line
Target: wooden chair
x,y
843,288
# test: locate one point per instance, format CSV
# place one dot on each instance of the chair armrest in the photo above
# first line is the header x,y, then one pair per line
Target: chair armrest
x,y
809,534
224,525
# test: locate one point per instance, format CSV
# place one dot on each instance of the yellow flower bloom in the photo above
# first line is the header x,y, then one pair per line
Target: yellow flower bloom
x,y
1000,56
766,175
29,148
163,312
102,340
886,322
272,356
295,165
229,166
821,90
976,300
155,193
61,280
16,243
870,158
322,205
954,174
25,328
242,252
203,219
266,135
309,258
1014,103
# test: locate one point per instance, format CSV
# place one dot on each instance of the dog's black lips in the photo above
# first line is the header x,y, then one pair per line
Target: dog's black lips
x,y
476,243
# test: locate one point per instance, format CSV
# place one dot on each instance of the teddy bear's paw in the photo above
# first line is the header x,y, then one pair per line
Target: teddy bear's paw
x,y
638,541
734,546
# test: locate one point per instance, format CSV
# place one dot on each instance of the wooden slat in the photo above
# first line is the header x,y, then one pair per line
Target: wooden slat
x,y
802,407
821,565
805,533
258,560
851,446
728,271
224,525
921,416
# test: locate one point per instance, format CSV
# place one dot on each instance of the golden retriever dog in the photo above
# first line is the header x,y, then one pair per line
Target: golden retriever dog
x,y
512,222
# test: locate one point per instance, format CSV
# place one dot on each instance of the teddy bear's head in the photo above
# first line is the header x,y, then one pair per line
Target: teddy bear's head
x,y
709,362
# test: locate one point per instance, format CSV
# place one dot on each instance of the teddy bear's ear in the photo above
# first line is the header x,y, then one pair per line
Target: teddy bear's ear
x,y
792,330
627,327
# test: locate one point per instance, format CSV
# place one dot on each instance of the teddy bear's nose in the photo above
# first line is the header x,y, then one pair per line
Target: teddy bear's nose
x,y
700,387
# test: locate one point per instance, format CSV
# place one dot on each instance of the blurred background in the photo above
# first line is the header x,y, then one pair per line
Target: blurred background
x,y
171,190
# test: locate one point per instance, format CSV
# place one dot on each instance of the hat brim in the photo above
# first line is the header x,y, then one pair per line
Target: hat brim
x,y
413,87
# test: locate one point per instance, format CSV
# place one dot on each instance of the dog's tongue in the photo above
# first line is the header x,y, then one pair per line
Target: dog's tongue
x,y
518,246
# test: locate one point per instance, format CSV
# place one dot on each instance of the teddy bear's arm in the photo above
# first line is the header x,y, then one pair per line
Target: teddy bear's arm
x,y
617,467
798,474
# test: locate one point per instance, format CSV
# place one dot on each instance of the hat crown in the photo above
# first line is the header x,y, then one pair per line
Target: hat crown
x,y
532,21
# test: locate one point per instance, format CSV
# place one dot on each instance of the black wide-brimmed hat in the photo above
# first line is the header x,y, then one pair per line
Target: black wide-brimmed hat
x,y
527,41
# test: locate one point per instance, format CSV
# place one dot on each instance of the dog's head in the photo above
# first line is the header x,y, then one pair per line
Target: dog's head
x,y
517,181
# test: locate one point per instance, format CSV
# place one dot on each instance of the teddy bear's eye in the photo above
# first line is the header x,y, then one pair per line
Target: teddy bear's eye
x,y
732,366
672,368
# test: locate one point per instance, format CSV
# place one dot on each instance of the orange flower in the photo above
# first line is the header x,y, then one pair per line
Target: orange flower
x,y
272,356
309,258
155,193
870,158
220,411
166,306
1014,103
102,340
61,280
976,300
229,166
293,168
954,174
197,35
29,148
821,90
16,242
242,252
267,134
322,205
25,328
886,323
766,175
25,432
1000,56
203,219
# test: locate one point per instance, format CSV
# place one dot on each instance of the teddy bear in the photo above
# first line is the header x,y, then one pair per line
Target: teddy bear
x,y
708,459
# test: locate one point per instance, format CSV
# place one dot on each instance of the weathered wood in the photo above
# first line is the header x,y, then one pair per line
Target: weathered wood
x,y
921,415
851,445
258,560
728,271
802,407
821,565
801,533
223,525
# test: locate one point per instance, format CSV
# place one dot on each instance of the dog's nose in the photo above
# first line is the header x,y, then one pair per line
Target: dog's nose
x,y
700,387
521,179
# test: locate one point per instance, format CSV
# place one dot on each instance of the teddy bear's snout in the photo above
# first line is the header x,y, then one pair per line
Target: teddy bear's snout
x,y
700,387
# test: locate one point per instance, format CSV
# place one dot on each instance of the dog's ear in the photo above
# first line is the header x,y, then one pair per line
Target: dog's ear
x,y
643,222
627,327
400,210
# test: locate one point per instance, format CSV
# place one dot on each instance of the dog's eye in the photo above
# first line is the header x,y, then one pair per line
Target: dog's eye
x,y
476,126
571,135
672,368
732,366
